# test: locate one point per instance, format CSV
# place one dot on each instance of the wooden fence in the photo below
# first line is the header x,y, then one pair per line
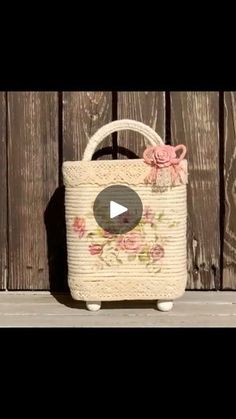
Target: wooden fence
x,y
38,130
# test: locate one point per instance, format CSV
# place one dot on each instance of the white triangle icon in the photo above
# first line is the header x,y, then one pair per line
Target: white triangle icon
x,y
116,209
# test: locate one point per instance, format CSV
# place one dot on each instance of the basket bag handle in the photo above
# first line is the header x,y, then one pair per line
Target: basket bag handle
x,y
122,124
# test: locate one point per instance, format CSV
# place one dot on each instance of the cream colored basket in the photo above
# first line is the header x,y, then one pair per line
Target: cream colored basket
x,y
148,262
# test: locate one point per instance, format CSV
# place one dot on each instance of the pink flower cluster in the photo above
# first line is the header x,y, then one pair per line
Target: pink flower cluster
x,y
79,226
107,235
132,243
95,249
157,252
148,215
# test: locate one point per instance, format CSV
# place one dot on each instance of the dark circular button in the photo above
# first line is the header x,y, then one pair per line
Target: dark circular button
x,y
117,209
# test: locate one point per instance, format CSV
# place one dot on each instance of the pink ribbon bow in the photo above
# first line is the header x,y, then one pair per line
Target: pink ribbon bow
x,y
164,156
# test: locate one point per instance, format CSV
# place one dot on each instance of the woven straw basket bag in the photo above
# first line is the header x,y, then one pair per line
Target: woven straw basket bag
x,y
147,263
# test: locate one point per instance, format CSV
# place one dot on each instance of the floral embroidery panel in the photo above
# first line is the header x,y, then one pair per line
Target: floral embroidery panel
x,y
142,245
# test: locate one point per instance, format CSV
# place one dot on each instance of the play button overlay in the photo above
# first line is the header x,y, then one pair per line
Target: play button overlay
x,y
117,209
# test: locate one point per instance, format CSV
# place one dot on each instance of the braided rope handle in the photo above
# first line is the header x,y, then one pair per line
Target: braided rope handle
x,y
122,124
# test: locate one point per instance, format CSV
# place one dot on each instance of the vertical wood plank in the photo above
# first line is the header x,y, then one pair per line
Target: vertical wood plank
x,y
229,245
195,123
3,193
147,107
83,114
33,177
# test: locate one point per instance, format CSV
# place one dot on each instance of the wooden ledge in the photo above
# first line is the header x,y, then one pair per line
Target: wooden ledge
x,y
41,309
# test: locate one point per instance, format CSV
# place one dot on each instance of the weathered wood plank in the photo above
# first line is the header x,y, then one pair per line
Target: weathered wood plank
x,y
46,298
3,193
229,245
83,114
87,322
111,311
73,321
195,122
147,107
17,310
33,177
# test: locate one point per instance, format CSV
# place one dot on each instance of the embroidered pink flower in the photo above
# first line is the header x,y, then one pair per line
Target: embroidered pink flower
x,y
95,249
148,215
130,242
79,226
107,235
157,252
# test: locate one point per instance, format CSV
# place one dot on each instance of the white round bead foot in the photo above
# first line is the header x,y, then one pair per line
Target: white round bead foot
x,y
93,305
164,305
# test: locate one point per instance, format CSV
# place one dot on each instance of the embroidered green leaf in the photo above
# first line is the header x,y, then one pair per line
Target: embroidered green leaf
x,y
174,224
153,268
98,232
131,258
160,216
91,235
143,257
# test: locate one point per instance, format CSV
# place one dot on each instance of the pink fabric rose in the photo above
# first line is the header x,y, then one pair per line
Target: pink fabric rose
x,y
157,252
95,249
164,156
148,215
130,242
79,226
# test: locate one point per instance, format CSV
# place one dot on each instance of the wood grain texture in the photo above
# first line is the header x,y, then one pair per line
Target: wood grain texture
x,y
83,114
147,107
3,193
229,245
195,123
32,178
194,309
